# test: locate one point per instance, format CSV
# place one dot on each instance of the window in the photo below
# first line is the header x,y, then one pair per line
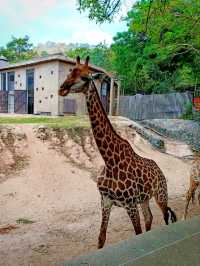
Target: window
x,y
30,81
51,72
42,88
40,76
18,75
36,89
40,101
11,80
3,81
104,89
51,96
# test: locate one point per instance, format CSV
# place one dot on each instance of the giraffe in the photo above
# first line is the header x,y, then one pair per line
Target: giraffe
x,y
127,179
194,184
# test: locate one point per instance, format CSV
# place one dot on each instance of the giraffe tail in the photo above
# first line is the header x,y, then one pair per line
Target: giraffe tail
x,y
172,215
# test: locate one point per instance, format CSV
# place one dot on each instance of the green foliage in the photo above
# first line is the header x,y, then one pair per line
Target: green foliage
x,y
159,52
100,55
188,112
18,49
163,55
100,10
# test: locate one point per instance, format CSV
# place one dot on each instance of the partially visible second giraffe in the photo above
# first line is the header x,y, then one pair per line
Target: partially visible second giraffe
x,y
127,178
194,184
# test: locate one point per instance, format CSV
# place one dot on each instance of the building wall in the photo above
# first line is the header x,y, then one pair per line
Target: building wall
x,y
20,79
46,88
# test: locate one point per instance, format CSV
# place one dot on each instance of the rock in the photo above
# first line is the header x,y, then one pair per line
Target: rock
x,y
184,130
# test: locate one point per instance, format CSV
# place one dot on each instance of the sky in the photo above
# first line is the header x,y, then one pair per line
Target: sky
x,y
54,20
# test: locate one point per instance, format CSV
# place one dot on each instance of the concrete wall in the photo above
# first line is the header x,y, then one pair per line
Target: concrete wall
x,y
175,245
46,88
140,107
20,79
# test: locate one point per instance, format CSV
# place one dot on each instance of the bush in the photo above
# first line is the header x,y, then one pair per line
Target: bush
x,y
188,111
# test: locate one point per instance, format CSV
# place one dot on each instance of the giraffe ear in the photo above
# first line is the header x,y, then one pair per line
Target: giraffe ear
x,y
78,60
87,60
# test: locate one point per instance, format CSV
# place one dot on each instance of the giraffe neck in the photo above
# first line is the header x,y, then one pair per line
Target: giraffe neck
x,y
104,133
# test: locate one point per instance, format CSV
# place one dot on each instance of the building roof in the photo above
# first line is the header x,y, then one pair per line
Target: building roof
x,y
50,58
3,58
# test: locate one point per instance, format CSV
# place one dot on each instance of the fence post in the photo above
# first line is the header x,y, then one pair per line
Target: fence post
x,y
111,96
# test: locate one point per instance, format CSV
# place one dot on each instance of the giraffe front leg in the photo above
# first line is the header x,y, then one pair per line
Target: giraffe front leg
x,y
135,218
148,217
106,205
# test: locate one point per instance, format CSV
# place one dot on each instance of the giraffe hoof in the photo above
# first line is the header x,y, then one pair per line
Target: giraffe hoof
x,y
183,218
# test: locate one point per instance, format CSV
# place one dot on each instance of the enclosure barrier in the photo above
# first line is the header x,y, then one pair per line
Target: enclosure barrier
x,y
196,105
174,245
140,107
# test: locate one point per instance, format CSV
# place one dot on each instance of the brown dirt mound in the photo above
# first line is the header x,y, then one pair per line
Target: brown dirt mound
x,y
12,151
63,201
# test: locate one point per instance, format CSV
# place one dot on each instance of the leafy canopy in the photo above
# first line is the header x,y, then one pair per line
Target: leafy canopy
x,y
18,49
160,51
100,10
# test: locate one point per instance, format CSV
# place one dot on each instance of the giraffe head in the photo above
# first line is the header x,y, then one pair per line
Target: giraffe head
x,y
77,79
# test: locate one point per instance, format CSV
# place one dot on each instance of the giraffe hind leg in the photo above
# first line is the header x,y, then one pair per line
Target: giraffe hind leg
x,y
148,217
167,211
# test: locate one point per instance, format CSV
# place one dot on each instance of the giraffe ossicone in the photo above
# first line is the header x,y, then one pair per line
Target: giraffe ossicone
x,y
127,178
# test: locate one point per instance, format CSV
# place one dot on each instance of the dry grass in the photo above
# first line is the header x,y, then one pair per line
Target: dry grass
x,y
56,122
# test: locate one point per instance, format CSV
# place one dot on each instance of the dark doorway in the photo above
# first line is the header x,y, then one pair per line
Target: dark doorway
x,y
20,102
30,90
11,87
105,95
69,106
3,101
11,81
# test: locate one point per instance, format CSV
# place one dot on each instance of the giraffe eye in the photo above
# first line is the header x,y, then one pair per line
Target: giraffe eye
x,y
85,78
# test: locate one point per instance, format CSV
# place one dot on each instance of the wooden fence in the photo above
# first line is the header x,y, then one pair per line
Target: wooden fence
x,y
140,107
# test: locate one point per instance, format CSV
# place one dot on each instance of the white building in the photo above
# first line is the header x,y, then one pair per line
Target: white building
x,y
31,87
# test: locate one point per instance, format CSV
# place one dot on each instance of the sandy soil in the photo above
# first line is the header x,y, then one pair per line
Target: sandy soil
x,y
64,204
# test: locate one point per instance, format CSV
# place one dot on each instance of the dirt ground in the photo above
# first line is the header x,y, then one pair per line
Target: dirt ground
x,y
62,200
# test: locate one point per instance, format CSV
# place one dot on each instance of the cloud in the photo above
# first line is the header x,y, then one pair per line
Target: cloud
x,y
23,10
54,20
91,36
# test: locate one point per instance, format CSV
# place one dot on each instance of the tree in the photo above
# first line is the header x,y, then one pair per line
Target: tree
x,y
100,10
100,55
164,55
159,52
18,49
